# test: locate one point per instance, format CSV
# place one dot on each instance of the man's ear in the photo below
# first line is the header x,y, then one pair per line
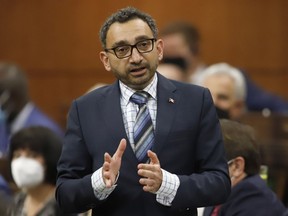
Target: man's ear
x,y
105,60
160,48
239,166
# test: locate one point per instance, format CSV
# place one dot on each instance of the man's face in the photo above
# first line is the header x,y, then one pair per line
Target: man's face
x,y
176,46
137,70
222,88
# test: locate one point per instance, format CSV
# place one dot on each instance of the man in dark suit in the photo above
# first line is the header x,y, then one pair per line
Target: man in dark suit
x,y
99,166
17,111
250,194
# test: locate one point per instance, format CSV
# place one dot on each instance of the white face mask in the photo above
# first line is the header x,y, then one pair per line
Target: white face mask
x,y
27,172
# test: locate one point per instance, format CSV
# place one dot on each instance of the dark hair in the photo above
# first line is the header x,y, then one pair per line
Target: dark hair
x,y
178,61
41,140
187,30
124,15
239,140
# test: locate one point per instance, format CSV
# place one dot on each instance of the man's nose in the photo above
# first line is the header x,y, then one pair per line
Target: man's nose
x,y
136,56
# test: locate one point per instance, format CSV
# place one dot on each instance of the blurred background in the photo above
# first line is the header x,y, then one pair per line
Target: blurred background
x,y
56,43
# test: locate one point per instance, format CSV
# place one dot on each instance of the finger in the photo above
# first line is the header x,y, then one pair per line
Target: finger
x,y
145,173
146,182
121,148
108,183
153,157
107,157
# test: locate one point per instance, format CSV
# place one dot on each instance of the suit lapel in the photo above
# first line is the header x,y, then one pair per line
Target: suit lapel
x,y
167,103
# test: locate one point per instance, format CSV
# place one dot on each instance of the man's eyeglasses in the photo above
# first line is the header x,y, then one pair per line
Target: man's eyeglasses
x,y
124,51
230,162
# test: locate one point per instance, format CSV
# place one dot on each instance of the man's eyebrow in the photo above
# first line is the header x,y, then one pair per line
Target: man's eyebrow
x,y
142,37
125,42
120,43
223,96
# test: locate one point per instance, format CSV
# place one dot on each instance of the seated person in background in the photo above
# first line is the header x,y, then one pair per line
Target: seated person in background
x,y
228,89
33,155
174,69
16,109
182,39
5,196
250,195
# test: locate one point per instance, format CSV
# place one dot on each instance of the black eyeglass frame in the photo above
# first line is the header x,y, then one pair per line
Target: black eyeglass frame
x,y
132,47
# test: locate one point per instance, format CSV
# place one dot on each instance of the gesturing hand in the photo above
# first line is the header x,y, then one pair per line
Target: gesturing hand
x,y
111,165
151,173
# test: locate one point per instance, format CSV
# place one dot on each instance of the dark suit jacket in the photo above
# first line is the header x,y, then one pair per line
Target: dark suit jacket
x,y
258,98
188,143
252,197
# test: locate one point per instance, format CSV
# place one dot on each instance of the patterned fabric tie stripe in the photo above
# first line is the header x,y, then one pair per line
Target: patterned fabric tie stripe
x,y
143,129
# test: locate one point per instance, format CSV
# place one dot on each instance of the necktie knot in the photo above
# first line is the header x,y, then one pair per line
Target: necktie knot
x,y
140,98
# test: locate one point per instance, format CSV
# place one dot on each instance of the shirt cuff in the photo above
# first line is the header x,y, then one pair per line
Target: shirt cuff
x,y
99,187
167,192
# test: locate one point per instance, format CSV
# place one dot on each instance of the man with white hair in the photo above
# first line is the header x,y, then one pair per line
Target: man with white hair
x,y
228,88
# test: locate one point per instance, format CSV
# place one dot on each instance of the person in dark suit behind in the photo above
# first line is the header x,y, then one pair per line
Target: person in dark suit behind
x,y
184,165
250,194
17,111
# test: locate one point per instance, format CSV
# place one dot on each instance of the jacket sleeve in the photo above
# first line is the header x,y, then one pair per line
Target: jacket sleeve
x,y
74,192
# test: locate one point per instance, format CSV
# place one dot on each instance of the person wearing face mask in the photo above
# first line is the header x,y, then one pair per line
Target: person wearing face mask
x,y
16,109
228,89
250,194
33,155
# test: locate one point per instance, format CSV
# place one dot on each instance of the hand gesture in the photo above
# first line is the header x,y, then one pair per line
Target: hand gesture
x,y
151,173
111,165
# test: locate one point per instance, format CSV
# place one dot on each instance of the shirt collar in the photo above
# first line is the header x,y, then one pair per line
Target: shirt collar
x,y
127,92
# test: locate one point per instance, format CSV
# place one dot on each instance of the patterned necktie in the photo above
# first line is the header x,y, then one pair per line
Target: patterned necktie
x,y
143,129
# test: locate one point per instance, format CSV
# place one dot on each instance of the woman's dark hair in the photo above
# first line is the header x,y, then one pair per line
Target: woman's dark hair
x,y
42,141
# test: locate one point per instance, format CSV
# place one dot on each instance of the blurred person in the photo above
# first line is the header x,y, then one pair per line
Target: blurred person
x,y
16,109
173,68
6,198
228,89
106,166
183,39
33,156
250,194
